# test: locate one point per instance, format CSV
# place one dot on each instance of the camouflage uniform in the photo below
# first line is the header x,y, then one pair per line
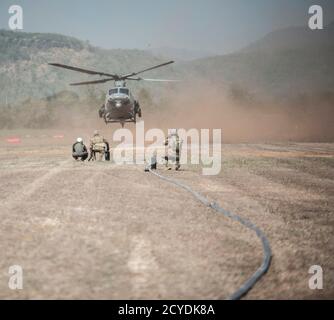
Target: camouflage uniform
x,y
98,146
173,145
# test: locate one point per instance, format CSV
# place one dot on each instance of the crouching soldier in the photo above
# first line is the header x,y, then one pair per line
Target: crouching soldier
x,y
99,147
173,145
79,150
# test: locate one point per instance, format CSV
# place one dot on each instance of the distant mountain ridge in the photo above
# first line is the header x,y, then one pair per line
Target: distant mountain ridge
x,y
179,54
285,62
288,61
293,38
24,58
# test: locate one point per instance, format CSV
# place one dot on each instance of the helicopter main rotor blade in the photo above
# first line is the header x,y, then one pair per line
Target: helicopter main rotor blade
x,y
152,80
159,80
148,69
64,66
91,82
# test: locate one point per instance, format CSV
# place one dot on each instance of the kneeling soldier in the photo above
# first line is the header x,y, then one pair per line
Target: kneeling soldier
x,y
79,150
98,146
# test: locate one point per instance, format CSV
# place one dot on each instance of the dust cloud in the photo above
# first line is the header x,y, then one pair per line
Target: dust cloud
x,y
242,116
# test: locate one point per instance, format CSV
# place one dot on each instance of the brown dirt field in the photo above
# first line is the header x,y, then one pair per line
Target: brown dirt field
x,y
102,231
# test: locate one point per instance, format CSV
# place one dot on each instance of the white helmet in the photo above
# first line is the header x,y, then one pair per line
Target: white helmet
x,y
173,132
79,140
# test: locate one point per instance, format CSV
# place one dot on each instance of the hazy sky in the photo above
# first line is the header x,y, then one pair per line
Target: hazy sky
x,y
217,26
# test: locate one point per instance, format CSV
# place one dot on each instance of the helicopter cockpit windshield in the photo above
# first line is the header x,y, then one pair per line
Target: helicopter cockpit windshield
x,y
124,91
119,90
113,91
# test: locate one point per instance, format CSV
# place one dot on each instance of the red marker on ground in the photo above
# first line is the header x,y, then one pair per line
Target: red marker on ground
x,y
14,140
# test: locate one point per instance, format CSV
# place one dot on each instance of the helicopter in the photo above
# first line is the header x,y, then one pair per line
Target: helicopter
x,y
120,105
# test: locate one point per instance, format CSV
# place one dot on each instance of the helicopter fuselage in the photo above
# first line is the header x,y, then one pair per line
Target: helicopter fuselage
x,y
120,106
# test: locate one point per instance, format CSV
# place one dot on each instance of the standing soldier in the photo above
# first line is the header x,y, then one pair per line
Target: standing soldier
x,y
100,146
173,145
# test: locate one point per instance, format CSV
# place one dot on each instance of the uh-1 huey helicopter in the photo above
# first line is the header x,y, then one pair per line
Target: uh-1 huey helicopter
x,y
120,105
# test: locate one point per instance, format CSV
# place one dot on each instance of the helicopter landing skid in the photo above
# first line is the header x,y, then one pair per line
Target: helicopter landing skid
x,y
122,122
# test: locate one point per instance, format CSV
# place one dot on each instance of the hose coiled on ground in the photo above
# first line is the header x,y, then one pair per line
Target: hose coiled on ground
x,y
267,255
